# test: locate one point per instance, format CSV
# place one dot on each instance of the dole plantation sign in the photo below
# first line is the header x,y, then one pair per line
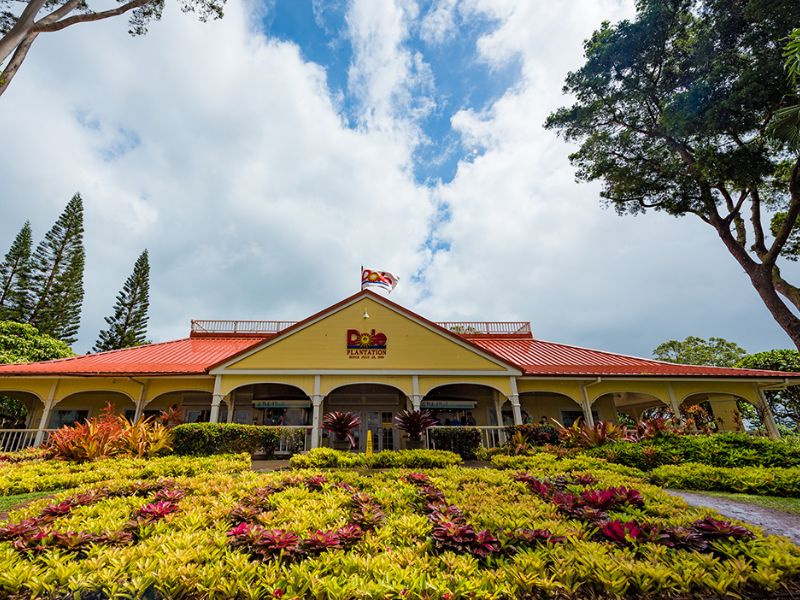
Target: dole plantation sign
x,y
370,344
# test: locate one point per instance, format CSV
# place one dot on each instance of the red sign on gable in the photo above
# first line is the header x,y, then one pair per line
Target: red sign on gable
x,y
371,344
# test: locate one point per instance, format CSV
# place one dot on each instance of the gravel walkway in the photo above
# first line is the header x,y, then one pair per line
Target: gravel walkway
x,y
772,521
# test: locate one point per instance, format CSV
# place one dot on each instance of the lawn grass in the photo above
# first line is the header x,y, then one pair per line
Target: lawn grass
x,y
789,505
190,551
10,502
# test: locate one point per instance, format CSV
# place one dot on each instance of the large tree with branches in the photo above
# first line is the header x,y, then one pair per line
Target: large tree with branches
x,y
675,111
21,22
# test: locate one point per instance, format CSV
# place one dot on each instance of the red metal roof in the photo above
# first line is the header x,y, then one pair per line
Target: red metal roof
x,y
198,355
538,357
188,356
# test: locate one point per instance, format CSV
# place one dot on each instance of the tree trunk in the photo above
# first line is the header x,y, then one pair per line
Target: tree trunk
x,y
761,277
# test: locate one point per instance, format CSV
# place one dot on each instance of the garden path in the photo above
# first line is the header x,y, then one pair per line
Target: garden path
x,y
774,522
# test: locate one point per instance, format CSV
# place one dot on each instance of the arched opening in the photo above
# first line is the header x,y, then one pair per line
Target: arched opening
x,y
276,404
184,406
376,405
79,406
543,407
18,409
467,404
710,412
20,413
629,408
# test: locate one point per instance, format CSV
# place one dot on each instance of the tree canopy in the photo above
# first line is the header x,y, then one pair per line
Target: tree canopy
x,y
785,403
20,343
672,113
716,352
21,22
55,290
14,276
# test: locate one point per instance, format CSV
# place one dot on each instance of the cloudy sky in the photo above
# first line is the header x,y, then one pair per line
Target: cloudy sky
x,y
263,158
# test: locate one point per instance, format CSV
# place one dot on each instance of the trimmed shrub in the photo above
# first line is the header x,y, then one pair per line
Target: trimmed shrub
x,y
327,458
768,481
718,450
224,438
464,441
535,435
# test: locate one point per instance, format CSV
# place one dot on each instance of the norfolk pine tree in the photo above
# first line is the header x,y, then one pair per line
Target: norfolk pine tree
x,y
127,327
14,274
56,280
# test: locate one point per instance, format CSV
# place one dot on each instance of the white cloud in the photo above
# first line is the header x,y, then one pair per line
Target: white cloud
x,y
257,201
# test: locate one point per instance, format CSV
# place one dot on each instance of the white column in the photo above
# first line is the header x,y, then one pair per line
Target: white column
x,y
230,402
416,397
140,403
48,406
769,418
316,417
515,407
586,406
673,402
316,401
216,400
514,399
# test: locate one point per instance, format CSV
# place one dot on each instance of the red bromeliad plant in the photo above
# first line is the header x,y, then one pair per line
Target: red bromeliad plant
x,y
342,424
580,435
36,535
414,423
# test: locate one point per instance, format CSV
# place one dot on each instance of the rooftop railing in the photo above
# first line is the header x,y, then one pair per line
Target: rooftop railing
x,y
466,328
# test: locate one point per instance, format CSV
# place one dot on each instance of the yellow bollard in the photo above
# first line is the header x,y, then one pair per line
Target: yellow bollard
x,y
368,450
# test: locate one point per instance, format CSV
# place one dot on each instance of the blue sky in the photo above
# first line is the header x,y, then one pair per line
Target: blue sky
x,y
459,79
263,158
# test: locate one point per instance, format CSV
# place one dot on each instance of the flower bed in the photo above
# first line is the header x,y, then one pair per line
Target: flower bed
x,y
327,458
44,475
446,533
767,481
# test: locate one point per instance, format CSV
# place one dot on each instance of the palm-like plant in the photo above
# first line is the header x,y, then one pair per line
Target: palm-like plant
x,y
341,424
414,423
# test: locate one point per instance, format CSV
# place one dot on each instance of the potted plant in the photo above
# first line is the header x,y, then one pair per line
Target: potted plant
x,y
414,423
341,425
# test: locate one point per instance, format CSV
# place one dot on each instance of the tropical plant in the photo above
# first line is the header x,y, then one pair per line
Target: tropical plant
x,y
414,423
109,435
342,424
580,435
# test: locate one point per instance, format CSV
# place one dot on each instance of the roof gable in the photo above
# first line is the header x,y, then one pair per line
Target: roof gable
x,y
367,332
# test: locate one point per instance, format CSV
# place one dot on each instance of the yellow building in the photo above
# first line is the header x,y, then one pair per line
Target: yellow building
x,y
370,356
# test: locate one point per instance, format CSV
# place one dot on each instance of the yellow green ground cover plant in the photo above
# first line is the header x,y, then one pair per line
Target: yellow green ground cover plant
x,y
545,528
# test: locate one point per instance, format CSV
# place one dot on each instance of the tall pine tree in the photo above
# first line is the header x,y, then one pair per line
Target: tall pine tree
x,y
128,325
14,275
55,293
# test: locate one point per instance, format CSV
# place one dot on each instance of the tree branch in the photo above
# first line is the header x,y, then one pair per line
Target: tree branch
x,y
59,13
759,246
791,216
88,17
13,65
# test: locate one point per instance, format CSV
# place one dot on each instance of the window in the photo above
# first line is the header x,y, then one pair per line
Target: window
x,y
67,417
568,417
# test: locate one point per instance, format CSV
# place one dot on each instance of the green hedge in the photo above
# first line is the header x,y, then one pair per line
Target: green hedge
x,y
327,458
718,450
535,435
224,438
767,481
464,441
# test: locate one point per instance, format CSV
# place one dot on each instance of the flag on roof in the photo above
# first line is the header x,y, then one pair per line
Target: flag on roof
x,y
378,279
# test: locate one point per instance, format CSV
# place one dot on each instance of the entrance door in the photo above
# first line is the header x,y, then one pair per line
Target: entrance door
x,y
383,433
